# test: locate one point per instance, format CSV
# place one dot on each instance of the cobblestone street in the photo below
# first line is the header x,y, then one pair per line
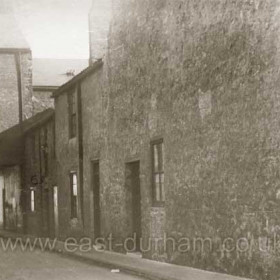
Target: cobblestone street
x,y
37,265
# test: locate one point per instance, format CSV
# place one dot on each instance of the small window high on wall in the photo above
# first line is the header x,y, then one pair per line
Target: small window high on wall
x,y
74,194
32,200
158,172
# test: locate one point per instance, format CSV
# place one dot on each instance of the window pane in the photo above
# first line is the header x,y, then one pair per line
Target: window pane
x,y
72,114
162,187
74,194
157,187
73,125
155,158
75,208
74,185
32,206
75,190
73,103
159,148
162,157
74,177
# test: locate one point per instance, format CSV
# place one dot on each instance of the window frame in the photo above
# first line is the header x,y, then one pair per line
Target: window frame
x,y
160,172
73,197
32,200
33,148
72,114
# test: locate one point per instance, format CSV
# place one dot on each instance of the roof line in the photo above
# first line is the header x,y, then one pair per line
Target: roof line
x,y
28,124
92,68
45,88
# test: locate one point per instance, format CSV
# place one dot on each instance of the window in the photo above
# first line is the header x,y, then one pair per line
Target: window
x,y
74,194
53,140
72,114
32,200
158,172
33,148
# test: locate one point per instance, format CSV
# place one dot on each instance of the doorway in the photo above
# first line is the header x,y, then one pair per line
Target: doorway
x,y
46,212
134,200
2,199
96,199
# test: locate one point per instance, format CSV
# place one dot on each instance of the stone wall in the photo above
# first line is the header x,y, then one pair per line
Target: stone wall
x,y
42,100
9,92
9,105
27,91
93,143
67,152
204,76
9,89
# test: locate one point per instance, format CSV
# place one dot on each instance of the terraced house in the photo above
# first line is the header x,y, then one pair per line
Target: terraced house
x,y
172,133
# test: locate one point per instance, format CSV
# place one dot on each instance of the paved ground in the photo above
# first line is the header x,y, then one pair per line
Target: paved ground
x,y
39,265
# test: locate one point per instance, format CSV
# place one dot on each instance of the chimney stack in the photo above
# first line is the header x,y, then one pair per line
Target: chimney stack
x,y
99,24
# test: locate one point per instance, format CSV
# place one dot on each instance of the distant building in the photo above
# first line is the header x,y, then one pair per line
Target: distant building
x,y
26,86
49,75
15,70
26,199
15,106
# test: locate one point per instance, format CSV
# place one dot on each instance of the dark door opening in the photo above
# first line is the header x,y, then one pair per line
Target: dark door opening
x,y
46,212
134,199
96,199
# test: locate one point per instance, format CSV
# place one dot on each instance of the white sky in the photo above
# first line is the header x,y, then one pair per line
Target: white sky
x,y
55,28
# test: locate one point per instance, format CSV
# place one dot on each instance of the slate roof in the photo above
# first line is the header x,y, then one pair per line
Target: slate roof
x,y
11,140
53,72
87,71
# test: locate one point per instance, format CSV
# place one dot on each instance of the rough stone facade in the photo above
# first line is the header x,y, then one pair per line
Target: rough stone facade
x,y
9,94
93,144
204,76
67,151
42,100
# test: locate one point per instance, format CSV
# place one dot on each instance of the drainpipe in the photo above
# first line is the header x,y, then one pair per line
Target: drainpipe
x,y
81,152
17,57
